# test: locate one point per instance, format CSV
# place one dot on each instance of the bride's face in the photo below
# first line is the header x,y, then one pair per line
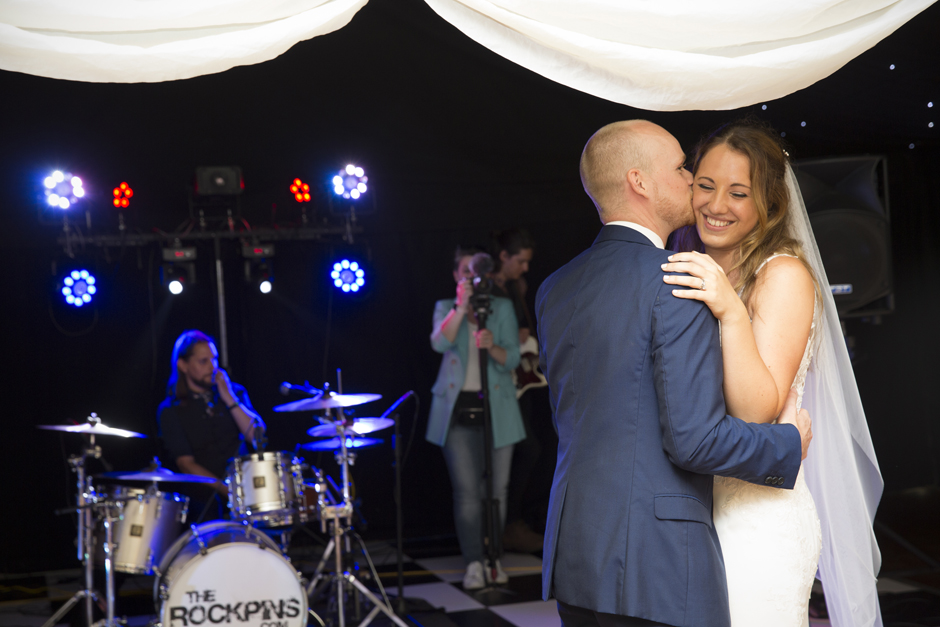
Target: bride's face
x,y
725,212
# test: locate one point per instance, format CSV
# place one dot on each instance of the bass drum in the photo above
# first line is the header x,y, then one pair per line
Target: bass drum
x,y
225,572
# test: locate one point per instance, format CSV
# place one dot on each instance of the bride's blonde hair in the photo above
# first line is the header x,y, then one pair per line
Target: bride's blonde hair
x,y
765,152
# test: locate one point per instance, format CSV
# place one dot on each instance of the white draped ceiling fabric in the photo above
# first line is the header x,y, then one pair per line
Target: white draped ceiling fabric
x,y
651,54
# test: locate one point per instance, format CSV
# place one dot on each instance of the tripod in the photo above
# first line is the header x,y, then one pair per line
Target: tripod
x,y
338,518
481,305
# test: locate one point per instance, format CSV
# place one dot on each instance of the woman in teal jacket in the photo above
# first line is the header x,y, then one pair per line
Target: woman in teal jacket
x,y
456,335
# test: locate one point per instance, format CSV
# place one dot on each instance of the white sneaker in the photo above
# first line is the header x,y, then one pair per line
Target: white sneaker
x,y
473,578
501,576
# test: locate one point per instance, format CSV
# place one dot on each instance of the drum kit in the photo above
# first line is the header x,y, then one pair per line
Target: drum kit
x,y
226,570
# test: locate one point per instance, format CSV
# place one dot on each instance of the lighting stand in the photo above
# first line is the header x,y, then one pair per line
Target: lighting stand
x,y
339,519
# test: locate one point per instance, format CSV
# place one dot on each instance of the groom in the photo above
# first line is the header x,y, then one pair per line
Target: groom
x,y
635,379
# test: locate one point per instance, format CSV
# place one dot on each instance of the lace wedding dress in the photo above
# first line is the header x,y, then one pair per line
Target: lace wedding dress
x,y
770,538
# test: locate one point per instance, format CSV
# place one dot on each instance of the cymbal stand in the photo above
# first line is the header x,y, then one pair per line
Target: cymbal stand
x,y
85,497
108,563
339,517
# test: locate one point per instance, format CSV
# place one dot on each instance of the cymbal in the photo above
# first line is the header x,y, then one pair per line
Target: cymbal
x,y
328,401
160,474
333,444
92,428
360,426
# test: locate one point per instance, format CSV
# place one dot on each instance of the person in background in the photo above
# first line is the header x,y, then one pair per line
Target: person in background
x,y
513,253
204,421
455,419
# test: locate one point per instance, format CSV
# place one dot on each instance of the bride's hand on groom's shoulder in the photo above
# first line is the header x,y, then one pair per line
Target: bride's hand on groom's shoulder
x,y
706,281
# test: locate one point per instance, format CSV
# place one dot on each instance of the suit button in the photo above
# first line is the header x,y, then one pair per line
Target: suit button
x,y
496,387
768,480
779,480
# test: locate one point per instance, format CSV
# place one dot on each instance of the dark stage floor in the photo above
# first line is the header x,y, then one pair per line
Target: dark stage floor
x,y
909,585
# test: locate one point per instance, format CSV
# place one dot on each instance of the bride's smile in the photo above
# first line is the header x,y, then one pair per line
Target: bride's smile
x,y
722,199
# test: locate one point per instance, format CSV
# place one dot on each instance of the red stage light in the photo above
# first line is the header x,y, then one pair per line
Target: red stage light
x,y
300,190
121,195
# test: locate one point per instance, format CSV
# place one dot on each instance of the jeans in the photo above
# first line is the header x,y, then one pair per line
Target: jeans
x,y
463,452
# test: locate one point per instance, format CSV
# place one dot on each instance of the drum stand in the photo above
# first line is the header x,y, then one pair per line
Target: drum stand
x,y
339,517
86,501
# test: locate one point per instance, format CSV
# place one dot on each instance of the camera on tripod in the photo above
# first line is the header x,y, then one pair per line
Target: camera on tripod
x,y
481,265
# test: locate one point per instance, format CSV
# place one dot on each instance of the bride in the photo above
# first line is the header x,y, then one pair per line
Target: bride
x,y
752,259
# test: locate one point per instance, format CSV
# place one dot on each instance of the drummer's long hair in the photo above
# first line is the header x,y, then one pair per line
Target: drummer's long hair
x,y
183,349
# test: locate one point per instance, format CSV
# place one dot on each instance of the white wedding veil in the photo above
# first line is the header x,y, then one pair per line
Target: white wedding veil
x,y
840,468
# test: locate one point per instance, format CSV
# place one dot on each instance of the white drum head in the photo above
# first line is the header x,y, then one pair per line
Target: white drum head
x,y
236,584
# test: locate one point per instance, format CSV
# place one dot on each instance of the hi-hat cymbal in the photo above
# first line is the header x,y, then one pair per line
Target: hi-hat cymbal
x,y
334,444
328,401
360,426
160,474
92,428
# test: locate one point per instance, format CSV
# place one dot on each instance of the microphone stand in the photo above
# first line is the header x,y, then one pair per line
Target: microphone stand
x,y
481,306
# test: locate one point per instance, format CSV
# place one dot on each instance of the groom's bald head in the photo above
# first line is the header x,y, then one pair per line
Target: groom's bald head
x,y
610,154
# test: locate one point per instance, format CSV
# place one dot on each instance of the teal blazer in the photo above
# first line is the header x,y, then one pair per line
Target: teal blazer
x,y
504,408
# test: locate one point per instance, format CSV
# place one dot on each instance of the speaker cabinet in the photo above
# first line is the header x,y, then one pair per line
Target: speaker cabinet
x,y
219,181
847,202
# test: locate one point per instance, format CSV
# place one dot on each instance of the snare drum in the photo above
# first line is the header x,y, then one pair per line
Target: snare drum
x,y
148,524
267,489
225,572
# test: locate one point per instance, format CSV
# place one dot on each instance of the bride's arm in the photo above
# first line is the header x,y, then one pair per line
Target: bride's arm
x,y
762,345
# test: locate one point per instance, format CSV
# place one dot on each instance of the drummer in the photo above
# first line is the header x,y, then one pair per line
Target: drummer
x,y
204,421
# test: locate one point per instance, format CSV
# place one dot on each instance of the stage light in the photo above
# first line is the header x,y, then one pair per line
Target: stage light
x,y
178,269
348,275
79,288
300,190
259,270
62,189
122,195
350,182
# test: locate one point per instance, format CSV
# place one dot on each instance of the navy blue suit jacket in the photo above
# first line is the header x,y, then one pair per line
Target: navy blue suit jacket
x,y
635,377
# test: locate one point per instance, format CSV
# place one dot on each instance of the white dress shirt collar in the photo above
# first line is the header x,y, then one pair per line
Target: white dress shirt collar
x,y
650,235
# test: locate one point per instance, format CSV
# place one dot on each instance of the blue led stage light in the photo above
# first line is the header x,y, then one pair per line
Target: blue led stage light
x,y
350,182
79,288
63,190
348,275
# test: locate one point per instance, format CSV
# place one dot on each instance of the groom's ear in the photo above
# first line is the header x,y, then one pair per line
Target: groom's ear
x,y
638,182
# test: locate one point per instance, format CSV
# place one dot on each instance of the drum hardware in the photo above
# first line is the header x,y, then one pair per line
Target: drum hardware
x,y
333,444
337,516
359,426
323,399
86,500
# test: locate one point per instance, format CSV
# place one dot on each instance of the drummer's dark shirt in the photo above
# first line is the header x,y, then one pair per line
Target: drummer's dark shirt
x,y
204,428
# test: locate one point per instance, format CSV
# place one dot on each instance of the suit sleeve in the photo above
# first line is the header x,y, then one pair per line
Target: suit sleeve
x,y
506,334
697,434
438,342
